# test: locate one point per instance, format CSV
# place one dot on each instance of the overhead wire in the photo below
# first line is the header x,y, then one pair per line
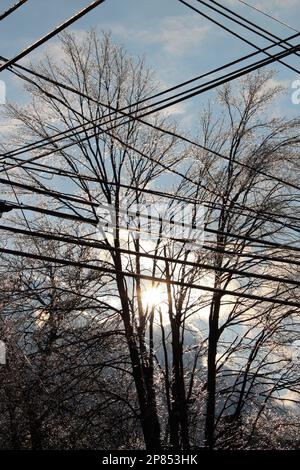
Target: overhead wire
x,y
146,99
95,222
171,133
246,20
112,249
143,155
192,181
13,8
259,10
51,34
109,271
267,216
234,33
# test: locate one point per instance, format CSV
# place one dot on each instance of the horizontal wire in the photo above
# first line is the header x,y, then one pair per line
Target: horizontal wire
x,y
273,300
95,222
267,216
173,134
100,246
156,95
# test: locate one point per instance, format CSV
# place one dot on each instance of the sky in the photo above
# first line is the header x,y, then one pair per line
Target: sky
x,y
175,41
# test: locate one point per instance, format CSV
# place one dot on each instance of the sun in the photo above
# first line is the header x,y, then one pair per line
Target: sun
x,y
153,297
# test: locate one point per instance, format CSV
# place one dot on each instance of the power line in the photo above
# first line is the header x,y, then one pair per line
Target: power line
x,y
234,33
267,216
252,24
62,215
248,209
173,134
58,29
98,245
210,230
268,15
23,214
206,247
10,10
259,257
273,300
78,92
51,34
90,221
162,164
48,192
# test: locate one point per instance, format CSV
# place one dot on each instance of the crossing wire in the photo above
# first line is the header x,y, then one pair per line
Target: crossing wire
x,y
109,271
51,34
174,134
101,246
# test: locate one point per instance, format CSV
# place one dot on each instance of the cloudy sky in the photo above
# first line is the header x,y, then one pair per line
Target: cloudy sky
x,y
177,42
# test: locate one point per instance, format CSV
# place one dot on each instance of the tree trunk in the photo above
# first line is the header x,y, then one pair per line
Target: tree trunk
x,y
143,383
211,371
178,387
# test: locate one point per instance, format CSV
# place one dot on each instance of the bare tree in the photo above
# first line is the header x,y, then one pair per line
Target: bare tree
x,y
247,205
191,366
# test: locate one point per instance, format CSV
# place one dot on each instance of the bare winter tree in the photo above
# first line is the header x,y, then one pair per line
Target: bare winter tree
x,y
98,167
176,365
250,208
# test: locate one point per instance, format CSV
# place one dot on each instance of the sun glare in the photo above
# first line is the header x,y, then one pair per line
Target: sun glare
x,y
153,297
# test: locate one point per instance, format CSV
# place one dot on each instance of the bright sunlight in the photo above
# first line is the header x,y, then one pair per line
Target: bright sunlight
x,y
154,297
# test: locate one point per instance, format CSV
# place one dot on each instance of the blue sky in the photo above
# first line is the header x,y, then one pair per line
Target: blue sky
x,y
176,42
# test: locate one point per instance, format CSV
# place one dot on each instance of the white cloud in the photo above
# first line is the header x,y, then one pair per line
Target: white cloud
x,y
177,35
7,126
53,48
176,109
291,398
